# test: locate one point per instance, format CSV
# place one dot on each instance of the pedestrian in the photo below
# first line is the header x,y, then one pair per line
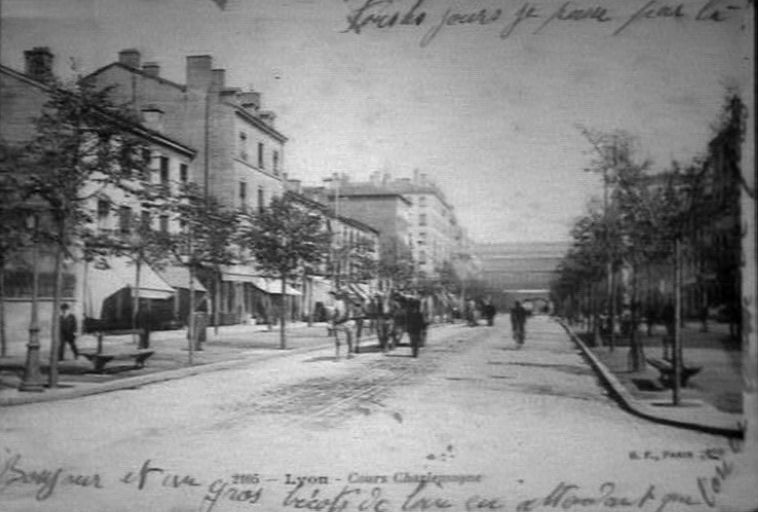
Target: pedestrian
x,y
143,324
341,324
67,332
489,312
518,323
415,324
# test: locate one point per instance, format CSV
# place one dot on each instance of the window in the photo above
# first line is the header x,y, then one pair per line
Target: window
x,y
183,173
147,160
422,219
422,257
260,155
164,171
103,209
276,163
164,224
145,220
124,219
260,199
243,146
243,194
422,201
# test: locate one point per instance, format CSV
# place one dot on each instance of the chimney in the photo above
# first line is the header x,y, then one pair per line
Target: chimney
x,y
39,63
199,72
374,178
152,118
424,180
151,69
416,176
250,100
295,185
385,178
267,116
129,57
218,79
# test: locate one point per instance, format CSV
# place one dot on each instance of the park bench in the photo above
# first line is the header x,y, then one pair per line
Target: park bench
x,y
666,369
100,360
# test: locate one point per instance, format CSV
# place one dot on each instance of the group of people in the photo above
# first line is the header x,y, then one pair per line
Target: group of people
x,y
390,316
475,309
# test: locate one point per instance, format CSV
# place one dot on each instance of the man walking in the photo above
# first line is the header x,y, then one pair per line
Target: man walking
x,y
341,323
518,323
67,332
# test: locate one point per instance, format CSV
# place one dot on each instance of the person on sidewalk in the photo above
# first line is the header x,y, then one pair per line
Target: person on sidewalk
x,y
518,323
341,324
144,324
67,332
489,311
415,325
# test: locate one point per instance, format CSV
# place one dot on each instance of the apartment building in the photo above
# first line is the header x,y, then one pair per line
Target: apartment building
x,y
240,153
101,292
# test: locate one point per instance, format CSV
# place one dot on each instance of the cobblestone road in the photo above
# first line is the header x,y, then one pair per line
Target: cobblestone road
x,y
473,424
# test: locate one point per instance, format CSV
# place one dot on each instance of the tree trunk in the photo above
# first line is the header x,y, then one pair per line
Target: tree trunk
x,y
191,315
135,296
635,342
216,301
282,320
677,349
611,308
3,339
55,332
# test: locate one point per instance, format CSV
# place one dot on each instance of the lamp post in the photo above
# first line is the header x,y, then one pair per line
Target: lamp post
x,y
135,241
32,380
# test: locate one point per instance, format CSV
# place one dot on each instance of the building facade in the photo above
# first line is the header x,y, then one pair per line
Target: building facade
x,y
240,153
94,292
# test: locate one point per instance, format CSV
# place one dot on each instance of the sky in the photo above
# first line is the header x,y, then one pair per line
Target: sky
x,y
490,115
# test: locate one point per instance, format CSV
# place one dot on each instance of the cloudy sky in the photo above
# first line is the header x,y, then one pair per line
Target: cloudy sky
x,y
491,118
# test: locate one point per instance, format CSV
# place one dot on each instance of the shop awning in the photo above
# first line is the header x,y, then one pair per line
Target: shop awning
x,y
178,277
274,286
103,279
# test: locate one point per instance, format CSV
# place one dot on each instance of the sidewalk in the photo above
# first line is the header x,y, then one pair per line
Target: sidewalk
x,y
234,345
712,400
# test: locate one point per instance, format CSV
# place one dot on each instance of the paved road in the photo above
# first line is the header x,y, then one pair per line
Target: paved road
x,y
473,424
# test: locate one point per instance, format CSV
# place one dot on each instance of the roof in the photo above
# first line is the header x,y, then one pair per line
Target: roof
x,y
158,79
364,190
135,128
258,122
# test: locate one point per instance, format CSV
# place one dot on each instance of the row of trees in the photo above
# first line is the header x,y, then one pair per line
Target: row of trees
x,y
89,157
646,221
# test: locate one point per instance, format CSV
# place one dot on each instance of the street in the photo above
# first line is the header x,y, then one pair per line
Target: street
x,y
472,424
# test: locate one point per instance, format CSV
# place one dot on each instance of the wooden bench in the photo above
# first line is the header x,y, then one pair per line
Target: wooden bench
x,y
666,369
100,360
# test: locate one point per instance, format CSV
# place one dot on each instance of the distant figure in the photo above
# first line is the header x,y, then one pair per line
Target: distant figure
x,y
471,313
67,332
518,323
415,325
142,322
488,311
341,323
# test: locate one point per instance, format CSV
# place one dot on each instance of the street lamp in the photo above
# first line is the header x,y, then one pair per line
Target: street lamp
x,y
32,380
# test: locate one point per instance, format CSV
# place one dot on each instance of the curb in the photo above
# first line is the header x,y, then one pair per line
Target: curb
x,y
635,406
162,376
152,378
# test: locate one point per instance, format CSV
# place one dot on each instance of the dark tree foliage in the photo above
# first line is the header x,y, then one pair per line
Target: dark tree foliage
x,y
283,238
